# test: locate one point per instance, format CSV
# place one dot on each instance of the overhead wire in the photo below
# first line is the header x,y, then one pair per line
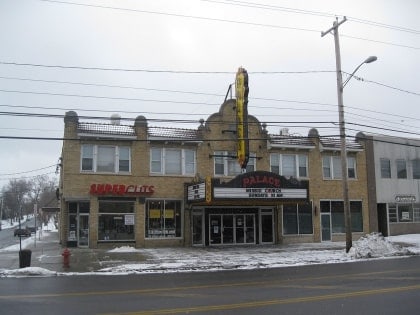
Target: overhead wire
x,y
226,21
313,13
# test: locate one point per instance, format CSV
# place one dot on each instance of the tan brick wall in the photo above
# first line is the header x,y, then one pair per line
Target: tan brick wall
x,y
76,184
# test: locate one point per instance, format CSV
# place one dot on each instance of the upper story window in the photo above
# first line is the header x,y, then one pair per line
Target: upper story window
x,y
289,165
172,161
385,168
226,164
416,169
105,158
401,168
331,167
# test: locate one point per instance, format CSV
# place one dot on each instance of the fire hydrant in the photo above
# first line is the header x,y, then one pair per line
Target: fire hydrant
x,y
66,258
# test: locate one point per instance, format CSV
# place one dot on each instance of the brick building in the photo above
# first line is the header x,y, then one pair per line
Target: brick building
x,y
152,186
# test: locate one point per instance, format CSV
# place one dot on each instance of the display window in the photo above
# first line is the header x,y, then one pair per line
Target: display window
x,y
116,221
163,218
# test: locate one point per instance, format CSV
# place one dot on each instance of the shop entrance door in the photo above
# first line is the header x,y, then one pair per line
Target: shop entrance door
x,y
215,232
83,240
325,227
232,229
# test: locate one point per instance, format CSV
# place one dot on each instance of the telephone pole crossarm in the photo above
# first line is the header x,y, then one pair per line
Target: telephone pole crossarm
x,y
335,26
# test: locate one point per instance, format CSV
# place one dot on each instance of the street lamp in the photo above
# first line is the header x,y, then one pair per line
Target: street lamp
x,y
344,172
340,88
368,60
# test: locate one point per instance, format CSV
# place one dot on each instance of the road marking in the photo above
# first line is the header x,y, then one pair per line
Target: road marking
x,y
281,282
224,307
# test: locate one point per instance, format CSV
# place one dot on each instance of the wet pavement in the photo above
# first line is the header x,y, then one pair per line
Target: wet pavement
x,y
47,253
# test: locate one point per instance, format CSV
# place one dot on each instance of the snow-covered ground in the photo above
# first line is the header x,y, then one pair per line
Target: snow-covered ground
x,y
372,246
165,260
161,260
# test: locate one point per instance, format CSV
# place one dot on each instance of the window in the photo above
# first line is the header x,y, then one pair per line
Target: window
x,y
87,157
163,218
105,159
385,168
226,164
116,221
289,165
336,208
416,169
172,161
297,219
331,167
404,212
356,216
401,169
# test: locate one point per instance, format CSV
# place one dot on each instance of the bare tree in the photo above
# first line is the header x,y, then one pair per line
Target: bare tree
x,y
15,198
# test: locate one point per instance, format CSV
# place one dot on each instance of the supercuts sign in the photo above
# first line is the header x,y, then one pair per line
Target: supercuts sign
x,y
262,186
122,190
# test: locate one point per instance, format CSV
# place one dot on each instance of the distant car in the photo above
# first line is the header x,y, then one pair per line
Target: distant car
x,y
31,229
22,232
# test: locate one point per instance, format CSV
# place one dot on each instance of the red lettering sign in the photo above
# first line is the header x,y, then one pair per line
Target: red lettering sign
x,y
118,189
257,179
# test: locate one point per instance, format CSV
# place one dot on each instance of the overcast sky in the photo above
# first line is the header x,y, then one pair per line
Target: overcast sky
x,y
173,60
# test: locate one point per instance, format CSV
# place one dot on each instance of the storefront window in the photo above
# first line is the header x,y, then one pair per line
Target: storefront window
x,y
297,219
163,218
337,217
405,213
356,216
116,221
336,208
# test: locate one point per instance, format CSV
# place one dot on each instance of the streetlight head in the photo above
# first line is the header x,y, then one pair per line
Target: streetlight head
x,y
371,59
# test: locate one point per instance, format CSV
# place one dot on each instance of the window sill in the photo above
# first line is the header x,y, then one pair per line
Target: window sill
x,y
105,173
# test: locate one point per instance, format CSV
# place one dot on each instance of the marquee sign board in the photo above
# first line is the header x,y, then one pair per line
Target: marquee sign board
x,y
258,185
196,192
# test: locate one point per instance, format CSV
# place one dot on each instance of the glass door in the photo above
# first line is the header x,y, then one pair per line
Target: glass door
x,y
250,228
227,232
83,240
215,231
197,229
240,229
267,230
325,227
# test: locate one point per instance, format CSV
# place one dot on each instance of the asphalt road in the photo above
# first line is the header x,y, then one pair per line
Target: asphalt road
x,y
6,235
390,286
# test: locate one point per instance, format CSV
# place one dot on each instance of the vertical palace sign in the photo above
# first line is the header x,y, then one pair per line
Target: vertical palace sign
x,y
241,93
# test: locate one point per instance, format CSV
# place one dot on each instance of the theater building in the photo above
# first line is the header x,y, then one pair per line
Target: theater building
x,y
152,186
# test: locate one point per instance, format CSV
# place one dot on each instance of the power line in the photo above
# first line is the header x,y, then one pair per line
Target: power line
x,y
25,172
182,16
154,70
110,86
314,13
220,20
23,177
379,41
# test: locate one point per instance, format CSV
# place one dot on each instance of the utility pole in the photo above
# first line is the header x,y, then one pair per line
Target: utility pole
x,y
1,212
344,176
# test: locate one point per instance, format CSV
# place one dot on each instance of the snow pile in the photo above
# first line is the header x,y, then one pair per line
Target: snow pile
x,y
28,271
411,241
374,245
123,249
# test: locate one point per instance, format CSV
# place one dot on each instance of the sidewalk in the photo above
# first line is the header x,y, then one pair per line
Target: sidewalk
x,y
47,256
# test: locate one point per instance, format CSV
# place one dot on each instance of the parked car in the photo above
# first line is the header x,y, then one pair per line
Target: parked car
x,y
31,229
22,232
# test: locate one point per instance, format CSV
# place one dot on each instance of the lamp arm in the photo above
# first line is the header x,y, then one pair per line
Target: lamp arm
x,y
351,75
